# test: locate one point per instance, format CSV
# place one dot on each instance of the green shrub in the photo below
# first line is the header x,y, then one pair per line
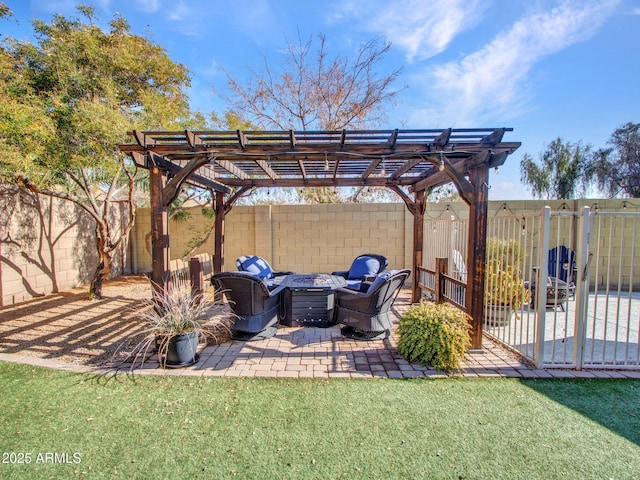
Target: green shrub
x,y
436,335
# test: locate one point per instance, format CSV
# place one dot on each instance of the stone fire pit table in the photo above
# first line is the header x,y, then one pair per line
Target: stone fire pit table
x,y
309,299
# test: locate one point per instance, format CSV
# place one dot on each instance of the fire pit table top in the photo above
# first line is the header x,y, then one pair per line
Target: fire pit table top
x,y
314,281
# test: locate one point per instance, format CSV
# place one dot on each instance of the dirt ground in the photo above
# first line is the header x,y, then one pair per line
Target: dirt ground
x,y
71,328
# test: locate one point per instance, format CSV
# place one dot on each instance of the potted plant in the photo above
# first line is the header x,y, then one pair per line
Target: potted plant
x,y
176,320
505,289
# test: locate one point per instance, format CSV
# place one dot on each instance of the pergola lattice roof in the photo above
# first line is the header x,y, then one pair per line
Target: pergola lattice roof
x,y
412,158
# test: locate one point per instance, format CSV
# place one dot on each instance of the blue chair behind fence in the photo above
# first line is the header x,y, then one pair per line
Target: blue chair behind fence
x,y
562,262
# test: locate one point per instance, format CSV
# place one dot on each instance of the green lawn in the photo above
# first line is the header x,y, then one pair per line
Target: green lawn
x,y
166,427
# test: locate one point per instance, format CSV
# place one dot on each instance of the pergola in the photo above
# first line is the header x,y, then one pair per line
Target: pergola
x,y
231,163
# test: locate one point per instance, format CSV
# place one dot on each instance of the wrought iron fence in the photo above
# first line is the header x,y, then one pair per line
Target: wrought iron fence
x,y
562,288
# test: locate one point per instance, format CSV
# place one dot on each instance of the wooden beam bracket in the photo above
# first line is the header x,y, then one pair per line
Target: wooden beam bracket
x,y
173,187
230,202
464,187
411,205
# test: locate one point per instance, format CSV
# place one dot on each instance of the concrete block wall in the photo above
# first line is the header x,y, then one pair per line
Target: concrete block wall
x,y
325,238
47,245
299,238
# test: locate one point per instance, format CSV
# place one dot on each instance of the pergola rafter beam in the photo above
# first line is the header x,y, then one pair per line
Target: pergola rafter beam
x,y
193,139
325,181
242,139
264,165
336,164
443,138
303,171
494,138
232,169
408,165
393,138
371,168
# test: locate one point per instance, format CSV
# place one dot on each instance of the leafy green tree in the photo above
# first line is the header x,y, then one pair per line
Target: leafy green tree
x,y
617,170
68,100
561,172
4,10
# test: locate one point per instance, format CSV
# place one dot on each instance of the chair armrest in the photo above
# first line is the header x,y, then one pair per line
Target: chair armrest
x,y
353,300
347,294
277,290
343,274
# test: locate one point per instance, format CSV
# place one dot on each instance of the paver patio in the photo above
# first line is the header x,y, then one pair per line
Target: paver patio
x,y
64,332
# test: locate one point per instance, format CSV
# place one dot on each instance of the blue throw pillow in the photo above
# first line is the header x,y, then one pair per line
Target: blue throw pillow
x,y
363,266
258,266
380,279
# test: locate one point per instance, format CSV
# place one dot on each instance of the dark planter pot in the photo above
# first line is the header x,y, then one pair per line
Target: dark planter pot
x,y
181,351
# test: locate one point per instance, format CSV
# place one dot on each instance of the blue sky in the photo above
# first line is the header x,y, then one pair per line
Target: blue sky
x,y
547,68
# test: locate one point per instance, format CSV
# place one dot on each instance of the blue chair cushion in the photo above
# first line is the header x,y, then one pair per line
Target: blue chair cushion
x,y
257,266
354,284
380,279
363,266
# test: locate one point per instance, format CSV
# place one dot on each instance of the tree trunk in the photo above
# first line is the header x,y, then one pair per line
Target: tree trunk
x,y
103,269
100,274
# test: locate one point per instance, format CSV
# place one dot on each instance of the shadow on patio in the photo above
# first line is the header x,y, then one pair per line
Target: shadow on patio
x,y
70,329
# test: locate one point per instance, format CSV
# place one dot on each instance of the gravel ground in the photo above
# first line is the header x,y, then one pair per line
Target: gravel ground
x,y
72,328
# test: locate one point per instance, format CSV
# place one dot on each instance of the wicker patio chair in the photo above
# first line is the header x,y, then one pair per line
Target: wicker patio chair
x,y
255,308
366,315
364,266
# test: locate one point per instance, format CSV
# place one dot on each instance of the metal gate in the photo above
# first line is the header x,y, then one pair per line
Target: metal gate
x,y
586,313
576,277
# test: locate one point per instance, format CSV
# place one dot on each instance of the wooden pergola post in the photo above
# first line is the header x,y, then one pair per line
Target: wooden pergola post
x,y
160,271
418,236
218,239
476,252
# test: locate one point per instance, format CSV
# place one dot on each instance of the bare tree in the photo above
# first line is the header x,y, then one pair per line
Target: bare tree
x,y
313,91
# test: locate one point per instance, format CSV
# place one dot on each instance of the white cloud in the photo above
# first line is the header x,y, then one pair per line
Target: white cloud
x,y
149,6
422,29
492,79
180,12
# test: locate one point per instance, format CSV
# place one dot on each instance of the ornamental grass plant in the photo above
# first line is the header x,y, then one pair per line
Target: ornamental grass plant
x,y
175,310
436,335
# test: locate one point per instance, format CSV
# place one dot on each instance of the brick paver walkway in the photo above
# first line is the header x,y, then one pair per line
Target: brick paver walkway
x,y
299,352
